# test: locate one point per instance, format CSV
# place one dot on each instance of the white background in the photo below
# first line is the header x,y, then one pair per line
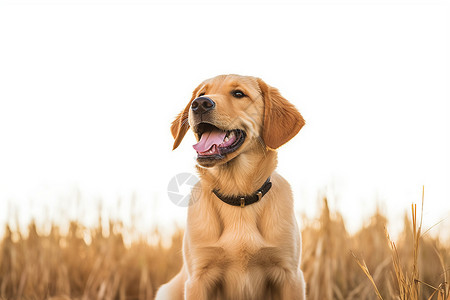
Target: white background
x,y
88,91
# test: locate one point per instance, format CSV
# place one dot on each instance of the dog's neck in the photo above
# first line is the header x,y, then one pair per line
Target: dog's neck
x,y
233,178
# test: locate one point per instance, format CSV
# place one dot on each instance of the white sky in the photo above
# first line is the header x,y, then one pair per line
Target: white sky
x,y
88,91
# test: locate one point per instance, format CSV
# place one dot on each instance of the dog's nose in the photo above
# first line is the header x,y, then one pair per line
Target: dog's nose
x,y
202,105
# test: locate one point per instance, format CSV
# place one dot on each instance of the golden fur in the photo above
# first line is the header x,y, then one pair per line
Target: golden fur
x,y
232,252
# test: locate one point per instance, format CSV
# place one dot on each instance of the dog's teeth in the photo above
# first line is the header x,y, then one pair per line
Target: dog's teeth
x,y
212,150
226,139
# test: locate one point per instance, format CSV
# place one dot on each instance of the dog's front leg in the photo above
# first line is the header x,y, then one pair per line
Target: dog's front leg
x,y
294,287
207,273
195,289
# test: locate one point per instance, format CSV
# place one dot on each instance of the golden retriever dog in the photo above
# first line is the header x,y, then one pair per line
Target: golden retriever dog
x,y
241,240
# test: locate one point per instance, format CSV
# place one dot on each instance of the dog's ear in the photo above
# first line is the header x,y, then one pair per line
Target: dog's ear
x,y
181,125
282,121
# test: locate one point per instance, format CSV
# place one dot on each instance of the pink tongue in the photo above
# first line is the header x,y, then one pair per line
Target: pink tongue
x,y
209,139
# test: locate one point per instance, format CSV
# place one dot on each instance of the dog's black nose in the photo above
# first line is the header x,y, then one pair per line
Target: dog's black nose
x,y
202,105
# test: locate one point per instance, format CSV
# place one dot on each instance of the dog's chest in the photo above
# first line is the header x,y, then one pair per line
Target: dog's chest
x,y
242,262
243,242
242,271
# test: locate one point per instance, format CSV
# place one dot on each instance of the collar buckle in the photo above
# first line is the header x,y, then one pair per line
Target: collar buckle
x,y
259,194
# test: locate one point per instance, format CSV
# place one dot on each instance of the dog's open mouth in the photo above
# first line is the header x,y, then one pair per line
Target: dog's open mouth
x,y
215,143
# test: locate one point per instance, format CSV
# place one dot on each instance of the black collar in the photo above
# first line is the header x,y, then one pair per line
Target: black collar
x,y
242,201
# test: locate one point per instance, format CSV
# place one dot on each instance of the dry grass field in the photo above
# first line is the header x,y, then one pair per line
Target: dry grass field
x,y
95,263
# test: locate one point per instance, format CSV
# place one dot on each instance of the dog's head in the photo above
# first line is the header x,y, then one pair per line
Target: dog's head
x,y
232,114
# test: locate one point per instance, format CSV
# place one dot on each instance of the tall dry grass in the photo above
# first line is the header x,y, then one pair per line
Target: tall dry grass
x,y
407,276
96,263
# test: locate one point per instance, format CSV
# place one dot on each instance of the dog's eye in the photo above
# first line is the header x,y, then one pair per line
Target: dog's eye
x,y
238,94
